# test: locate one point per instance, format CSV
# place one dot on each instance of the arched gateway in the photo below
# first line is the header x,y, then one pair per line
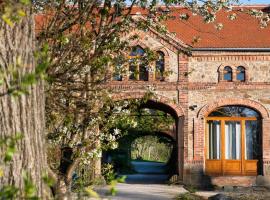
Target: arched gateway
x,y
164,104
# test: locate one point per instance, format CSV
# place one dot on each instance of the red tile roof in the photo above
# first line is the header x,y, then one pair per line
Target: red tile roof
x,y
243,32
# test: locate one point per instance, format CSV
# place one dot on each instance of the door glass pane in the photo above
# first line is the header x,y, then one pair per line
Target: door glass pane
x,y
214,139
252,140
232,140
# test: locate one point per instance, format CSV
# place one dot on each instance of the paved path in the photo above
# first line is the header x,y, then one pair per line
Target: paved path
x,y
148,184
148,173
149,167
145,192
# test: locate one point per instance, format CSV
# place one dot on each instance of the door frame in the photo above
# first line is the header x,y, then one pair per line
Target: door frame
x,y
242,167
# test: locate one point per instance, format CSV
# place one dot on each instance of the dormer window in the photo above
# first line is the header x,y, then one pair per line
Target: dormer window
x,y
241,74
227,73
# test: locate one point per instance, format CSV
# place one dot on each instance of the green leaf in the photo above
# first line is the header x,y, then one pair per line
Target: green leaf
x,y
122,179
8,192
29,187
48,181
21,13
29,79
7,20
90,192
1,172
9,154
25,2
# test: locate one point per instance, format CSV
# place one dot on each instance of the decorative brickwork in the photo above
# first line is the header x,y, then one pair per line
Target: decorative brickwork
x,y
161,99
207,109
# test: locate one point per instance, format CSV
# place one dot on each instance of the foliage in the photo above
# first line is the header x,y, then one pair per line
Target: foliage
x,y
12,12
9,145
108,173
188,196
190,188
151,148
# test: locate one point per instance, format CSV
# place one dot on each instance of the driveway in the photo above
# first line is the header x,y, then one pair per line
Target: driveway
x,y
147,184
147,173
144,192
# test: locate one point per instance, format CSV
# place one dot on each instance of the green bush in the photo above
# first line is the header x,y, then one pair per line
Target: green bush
x,y
108,173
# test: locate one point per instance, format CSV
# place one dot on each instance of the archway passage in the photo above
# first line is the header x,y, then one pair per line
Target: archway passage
x,y
145,158
147,153
233,141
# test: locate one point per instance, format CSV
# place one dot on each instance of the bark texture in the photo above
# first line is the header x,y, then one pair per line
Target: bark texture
x,y
24,114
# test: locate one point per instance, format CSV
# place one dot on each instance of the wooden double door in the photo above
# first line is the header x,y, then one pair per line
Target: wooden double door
x,y
232,145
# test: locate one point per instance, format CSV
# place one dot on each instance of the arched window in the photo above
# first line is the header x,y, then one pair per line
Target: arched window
x,y
241,74
137,67
160,66
227,73
233,141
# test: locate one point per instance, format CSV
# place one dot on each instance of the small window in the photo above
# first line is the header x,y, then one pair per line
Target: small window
x,y
160,66
241,74
227,74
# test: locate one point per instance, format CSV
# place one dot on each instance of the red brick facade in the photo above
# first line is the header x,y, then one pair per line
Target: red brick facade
x,y
194,89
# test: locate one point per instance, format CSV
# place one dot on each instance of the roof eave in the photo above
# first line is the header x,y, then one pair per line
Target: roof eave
x,y
232,49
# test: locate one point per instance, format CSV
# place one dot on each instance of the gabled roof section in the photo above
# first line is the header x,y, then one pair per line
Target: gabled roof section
x,y
243,32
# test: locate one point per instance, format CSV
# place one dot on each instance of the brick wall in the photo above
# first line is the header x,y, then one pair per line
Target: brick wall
x,y
194,89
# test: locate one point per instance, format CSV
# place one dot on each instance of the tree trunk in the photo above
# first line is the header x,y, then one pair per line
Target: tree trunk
x,y
24,114
62,188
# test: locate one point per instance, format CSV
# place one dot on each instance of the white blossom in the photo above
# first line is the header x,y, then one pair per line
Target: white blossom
x,y
116,131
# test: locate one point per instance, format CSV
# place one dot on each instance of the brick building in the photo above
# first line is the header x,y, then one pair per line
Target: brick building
x,y
218,92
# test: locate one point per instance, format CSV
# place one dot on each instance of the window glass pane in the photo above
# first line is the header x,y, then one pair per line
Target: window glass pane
x,y
252,140
132,72
228,76
227,73
160,66
143,75
214,130
137,51
232,140
117,77
234,111
241,76
240,73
